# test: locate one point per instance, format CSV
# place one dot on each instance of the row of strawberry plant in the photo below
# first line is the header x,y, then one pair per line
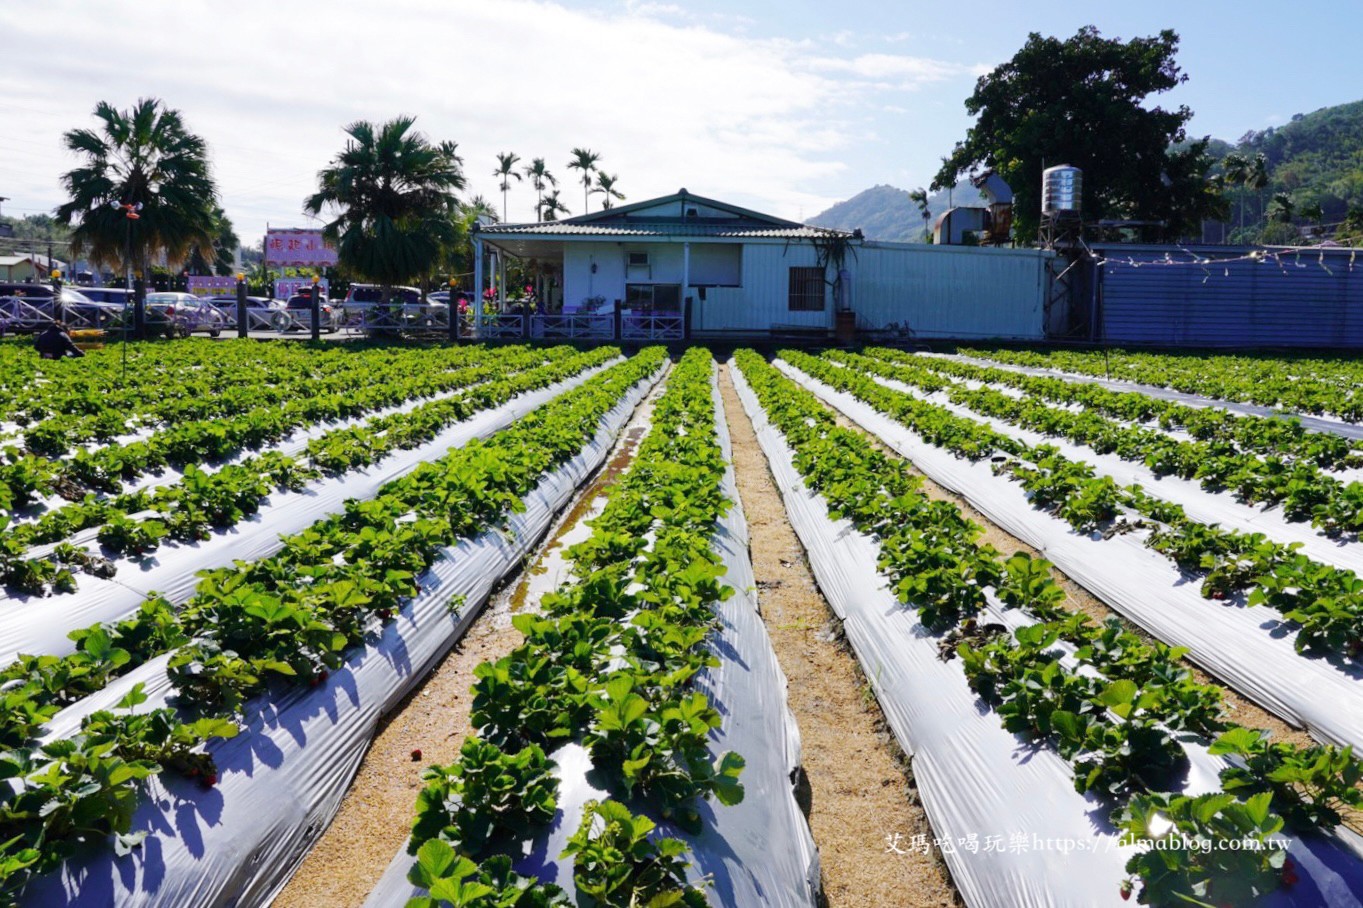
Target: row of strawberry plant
x,y
213,380
201,502
1306,383
1260,434
254,628
1325,602
1112,706
1305,492
610,661
37,389
254,419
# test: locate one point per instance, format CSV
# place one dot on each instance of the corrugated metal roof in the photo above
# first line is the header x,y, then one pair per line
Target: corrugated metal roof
x,y
669,229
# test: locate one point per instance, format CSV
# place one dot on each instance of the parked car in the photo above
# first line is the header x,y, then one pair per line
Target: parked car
x,y
363,299
29,307
297,313
266,302
180,314
108,295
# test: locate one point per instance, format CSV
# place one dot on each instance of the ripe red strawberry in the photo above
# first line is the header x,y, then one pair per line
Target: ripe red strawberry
x,y
416,755
1290,877
209,780
1218,595
1126,890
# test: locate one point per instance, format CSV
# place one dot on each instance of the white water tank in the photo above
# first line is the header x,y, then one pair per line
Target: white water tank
x,y
1062,190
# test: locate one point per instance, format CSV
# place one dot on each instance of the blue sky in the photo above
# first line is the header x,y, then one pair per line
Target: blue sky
x,y
785,107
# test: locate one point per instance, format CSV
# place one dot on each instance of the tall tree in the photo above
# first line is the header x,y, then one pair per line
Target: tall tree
x,y
391,194
506,169
919,197
1081,101
220,257
553,207
1281,208
605,184
1235,168
541,179
480,207
1256,178
584,160
139,157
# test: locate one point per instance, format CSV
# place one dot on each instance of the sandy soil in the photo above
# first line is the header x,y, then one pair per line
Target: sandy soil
x,y
376,816
1078,599
858,790
859,793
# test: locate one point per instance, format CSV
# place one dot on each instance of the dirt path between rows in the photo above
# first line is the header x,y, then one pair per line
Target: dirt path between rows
x,y
861,798
375,818
1239,709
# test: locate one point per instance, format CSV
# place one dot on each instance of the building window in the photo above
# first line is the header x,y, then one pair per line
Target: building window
x,y
806,290
653,298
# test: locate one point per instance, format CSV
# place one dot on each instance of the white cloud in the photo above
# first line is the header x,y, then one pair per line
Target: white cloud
x,y
667,101
908,71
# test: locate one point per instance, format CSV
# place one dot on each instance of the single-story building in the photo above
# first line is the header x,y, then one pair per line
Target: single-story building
x,y
730,271
28,266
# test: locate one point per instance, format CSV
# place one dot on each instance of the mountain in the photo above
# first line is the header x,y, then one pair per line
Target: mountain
x,y
887,213
1317,159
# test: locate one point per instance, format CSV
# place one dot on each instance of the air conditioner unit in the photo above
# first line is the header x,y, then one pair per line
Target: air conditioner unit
x,y
638,267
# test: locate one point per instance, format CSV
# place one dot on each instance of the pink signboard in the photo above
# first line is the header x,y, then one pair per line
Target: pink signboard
x,y
295,248
288,286
209,285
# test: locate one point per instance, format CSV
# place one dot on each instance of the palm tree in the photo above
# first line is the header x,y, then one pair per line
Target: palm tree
x,y
140,157
480,206
1235,166
540,178
553,207
392,193
1256,178
1280,208
920,198
585,161
506,169
219,257
605,184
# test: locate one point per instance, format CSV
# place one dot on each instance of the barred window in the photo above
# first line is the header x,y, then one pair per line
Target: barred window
x,y
806,289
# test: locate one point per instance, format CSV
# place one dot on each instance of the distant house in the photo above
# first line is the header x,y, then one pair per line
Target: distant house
x,y
28,267
742,273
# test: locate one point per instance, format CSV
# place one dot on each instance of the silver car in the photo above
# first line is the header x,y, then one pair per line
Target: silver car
x,y
180,314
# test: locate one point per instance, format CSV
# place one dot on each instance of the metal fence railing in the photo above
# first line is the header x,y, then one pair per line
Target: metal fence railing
x,y
658,326
573,327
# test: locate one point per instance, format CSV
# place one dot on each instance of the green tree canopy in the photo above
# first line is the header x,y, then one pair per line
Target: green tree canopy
x,y
220,257
1080,102
585,160
391,194
143,156
605,184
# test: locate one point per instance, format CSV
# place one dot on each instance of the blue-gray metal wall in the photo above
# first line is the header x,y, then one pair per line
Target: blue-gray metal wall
x,y
1161,296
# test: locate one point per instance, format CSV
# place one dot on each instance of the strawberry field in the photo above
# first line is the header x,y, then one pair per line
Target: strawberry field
x,y
224,564
1227,537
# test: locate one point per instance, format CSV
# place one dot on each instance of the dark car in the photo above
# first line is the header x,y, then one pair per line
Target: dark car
x,y
29,307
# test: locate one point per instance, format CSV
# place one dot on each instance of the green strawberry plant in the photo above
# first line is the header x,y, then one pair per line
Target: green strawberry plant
x,y
617,863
